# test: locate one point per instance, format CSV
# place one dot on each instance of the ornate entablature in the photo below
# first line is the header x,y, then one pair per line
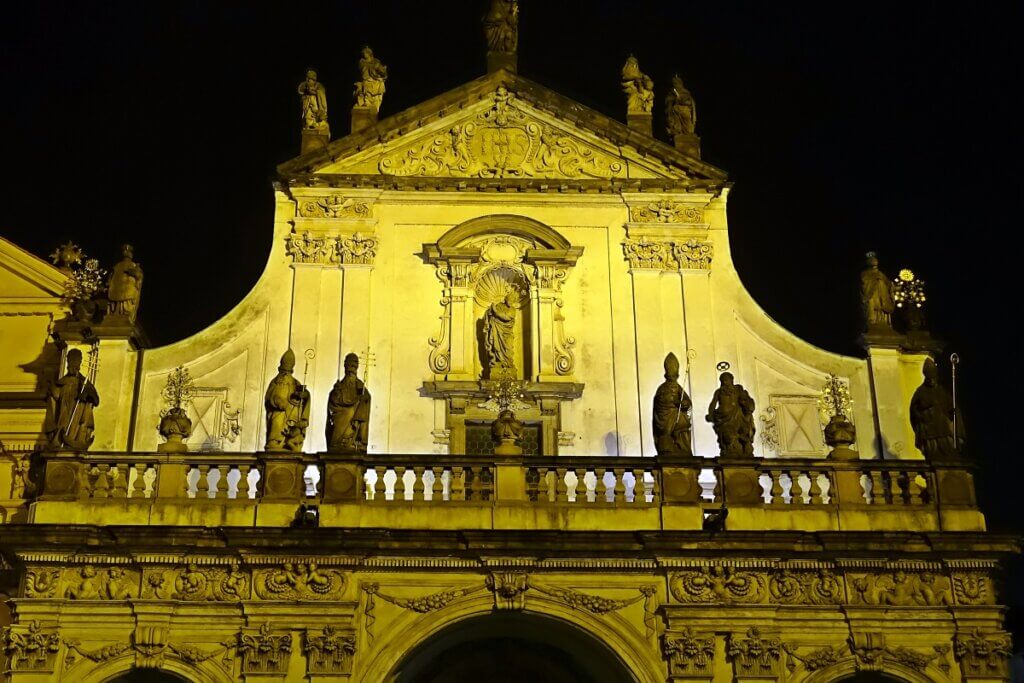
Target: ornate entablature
x,y
332,229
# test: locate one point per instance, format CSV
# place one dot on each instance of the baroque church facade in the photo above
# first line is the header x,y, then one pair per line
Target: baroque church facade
x,y
463,411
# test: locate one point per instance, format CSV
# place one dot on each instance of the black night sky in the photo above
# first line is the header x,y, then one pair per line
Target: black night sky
x,y
846,127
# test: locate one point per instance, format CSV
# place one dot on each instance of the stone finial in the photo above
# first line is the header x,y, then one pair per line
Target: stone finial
x,y
501,28
315,131
681,118
369,91
639,90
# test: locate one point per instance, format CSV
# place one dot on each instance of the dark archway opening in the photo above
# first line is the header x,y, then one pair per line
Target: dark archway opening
x,y
147,676
870,677
510,648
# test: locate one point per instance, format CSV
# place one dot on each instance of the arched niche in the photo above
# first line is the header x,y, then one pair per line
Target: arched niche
x,y
147,676
512,647
479,263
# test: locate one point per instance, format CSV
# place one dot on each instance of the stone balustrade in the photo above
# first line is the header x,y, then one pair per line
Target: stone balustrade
x,y
428,491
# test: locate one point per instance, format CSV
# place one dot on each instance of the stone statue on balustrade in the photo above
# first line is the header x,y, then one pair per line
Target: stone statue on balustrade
x,y
638,86
876,295
501,26
732,414
314,103
287,405
369,91
507,434
672,437
932,415
499,337
124,286
680,109
72,399
348,412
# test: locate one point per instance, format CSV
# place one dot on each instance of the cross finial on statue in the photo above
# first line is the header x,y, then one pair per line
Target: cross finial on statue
x,y
368,359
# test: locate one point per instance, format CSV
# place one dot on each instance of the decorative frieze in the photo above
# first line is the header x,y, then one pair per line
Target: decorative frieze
x,y
329,651
194,583
718,585
656,254
689,655
973,588
113,583
820,587
900,588
349,249
820,658
333,206
666,211
298,581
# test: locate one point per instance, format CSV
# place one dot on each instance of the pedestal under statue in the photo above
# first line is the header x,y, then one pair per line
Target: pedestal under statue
x,y
348,412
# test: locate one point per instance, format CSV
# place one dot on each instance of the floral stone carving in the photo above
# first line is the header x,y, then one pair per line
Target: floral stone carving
x,y
333,206
982,654
329,652
688,654
194,583
509,589
817,588
263,652
30,648
718,584
665,211
298,582
502,142
690,254
754,655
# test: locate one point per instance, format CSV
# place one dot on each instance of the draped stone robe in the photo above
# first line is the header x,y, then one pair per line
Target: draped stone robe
x,y
70,424
348,415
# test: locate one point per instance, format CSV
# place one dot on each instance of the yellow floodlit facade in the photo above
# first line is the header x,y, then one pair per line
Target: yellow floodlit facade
x,y
497,238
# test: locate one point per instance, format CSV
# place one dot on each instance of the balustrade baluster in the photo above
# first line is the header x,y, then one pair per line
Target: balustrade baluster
x,y
119,480
243,482
417,484
457,485
655,485
561,488
639,487
138,488
221,491
914,489
472,488
815,489
203,483
437,486
544,487
486,482
879,491
895,488
399,483
619,490
101,489
796,487
532,483
776,488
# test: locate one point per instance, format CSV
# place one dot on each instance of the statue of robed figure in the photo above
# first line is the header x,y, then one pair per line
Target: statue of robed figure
x,y
72,398
287,404
348,412
314,102
931,416
125,286
731,413
876,297
671,414
499,330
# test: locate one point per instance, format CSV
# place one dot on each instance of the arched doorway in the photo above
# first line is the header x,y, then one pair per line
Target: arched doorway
x,y
512,647
870,677
147,676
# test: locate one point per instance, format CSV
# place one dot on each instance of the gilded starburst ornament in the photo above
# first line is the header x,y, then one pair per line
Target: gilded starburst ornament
x,y
908,290
835,399
85,281
179,389
67,255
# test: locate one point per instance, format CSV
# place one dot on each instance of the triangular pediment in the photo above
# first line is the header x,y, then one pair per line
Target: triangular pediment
x,y
503,126
25,277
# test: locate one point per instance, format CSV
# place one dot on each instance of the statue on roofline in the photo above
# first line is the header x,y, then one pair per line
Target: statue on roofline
x,y
348,412
732,414
932,415
876,294
680,109
671,414
314,103
287,404
501,26
369,91
638,86
124,288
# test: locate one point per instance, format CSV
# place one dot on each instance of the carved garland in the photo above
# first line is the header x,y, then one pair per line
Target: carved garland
x,y
692,254
333,206
665,211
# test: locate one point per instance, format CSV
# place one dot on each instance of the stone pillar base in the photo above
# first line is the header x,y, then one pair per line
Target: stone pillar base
x,y
363,118
501,60
641,123
312,140
687,143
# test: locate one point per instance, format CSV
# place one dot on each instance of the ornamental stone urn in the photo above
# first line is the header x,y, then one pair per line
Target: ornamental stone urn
x,y
175,426
840,434
507,434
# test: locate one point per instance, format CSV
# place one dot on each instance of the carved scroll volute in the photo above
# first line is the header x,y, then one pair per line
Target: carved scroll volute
x,y
554,348
451,352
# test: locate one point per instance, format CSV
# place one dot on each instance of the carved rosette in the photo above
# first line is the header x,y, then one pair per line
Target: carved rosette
x,y
645,253
666,211
333,206
754,655
298,581
689,655
263,652
329,652
502,142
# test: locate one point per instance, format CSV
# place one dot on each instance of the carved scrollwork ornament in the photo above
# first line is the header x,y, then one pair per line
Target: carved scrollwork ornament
x,y
42,583
264,652
666,211
820,587
298,581
693,254
356,249
820,658
973,588
718,584
329,652
983,654
30,648
509,589
439,358
754,655
647,253
333,206
565,359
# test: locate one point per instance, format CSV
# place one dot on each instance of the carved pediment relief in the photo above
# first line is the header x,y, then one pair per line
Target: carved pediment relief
x,y
502,137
